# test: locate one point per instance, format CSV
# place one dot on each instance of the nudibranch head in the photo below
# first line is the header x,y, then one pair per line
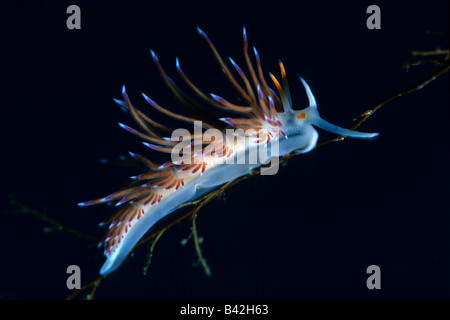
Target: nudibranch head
x,y
310,116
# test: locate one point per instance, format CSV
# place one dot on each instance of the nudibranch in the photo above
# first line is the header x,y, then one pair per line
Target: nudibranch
x,y
216,151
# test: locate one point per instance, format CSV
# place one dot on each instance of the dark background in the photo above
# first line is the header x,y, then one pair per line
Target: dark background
x,y
309,232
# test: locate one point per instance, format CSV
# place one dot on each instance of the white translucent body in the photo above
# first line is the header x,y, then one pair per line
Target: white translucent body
x,y
301,137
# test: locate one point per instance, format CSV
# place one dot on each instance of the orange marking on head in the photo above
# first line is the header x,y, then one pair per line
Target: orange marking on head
x,y
302,116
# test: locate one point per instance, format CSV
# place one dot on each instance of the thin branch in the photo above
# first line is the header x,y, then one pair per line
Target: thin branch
x,y
365,115
150,253
95,283
437,51
58,226
201,259
368,113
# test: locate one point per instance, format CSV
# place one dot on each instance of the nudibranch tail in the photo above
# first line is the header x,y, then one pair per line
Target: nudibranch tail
x,y
210,157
